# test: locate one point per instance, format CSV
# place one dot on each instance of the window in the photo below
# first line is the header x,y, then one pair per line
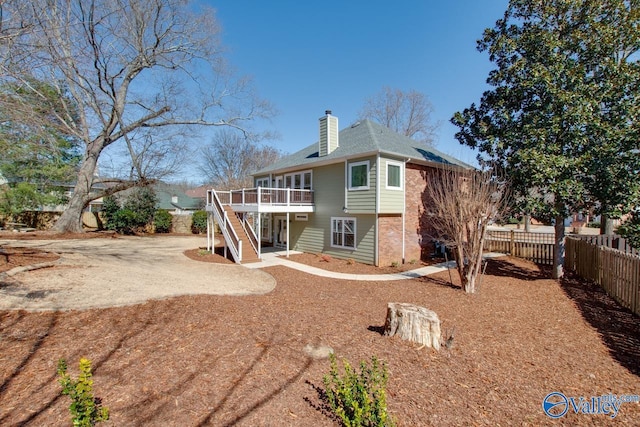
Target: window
x,y
394,175
359,176
264,182
298,180
343,233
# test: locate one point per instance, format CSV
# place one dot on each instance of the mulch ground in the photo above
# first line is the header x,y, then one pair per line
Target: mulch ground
x,y
222,361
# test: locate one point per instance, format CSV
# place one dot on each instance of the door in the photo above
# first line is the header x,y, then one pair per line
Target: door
x,y
280,197
280,231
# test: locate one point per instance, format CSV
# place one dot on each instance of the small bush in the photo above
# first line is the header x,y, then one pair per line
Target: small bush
x,y
162,221
395,264
593,225
125,221
358,398
86,410
199,222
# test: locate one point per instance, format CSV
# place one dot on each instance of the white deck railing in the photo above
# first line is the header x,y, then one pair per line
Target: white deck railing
x,y
263,196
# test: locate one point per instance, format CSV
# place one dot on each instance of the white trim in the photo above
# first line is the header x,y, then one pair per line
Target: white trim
x,y
355,233
261,182
355,164
293,179
398,164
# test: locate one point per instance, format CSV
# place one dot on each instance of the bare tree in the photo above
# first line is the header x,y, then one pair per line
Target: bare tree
x,y
408,113
461,204
231,156
133,69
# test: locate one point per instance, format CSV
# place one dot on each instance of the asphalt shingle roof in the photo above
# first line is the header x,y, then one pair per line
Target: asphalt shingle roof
x,y
364,138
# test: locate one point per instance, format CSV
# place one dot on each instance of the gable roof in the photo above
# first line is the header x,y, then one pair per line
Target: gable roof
x,y
361,139
165,194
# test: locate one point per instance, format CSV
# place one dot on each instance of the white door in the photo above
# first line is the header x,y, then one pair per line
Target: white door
x,y
280,231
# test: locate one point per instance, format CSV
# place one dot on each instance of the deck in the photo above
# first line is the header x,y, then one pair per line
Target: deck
x,y
265,200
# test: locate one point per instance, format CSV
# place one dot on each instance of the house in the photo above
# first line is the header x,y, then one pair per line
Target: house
x,y
174,200
355,194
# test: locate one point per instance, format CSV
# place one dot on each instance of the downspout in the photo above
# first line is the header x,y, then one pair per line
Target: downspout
x,y
346,183
404,207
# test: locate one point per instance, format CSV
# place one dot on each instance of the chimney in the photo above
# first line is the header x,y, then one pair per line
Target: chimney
x,y
328,134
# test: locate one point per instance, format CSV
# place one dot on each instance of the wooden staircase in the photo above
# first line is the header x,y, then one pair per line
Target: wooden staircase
x,y
249,254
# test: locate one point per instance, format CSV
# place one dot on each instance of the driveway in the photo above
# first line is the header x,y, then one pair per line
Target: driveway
x,y
96,273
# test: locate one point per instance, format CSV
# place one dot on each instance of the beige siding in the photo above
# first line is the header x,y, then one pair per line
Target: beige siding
x,y
363,201
391,200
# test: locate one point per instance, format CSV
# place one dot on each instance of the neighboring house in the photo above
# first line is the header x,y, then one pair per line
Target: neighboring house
x,y
199,193
175,201
355,194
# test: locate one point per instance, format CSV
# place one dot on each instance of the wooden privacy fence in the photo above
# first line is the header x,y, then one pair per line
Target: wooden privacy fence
x,y
617,272
537,247
612,241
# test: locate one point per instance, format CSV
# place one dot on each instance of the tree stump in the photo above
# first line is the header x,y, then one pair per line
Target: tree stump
x,y
413,323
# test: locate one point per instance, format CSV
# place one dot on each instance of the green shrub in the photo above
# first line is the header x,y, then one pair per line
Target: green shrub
x,y
86,410
136,212
593,225
143,202
162,221
358,398
199,222
125,221
110,206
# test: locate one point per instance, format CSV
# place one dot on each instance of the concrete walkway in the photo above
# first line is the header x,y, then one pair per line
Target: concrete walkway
x,y
271,259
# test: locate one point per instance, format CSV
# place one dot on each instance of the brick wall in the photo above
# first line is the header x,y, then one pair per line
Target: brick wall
x,y
389,239
418,231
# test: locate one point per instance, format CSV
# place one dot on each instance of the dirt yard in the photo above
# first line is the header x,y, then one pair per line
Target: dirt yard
x,y
239,360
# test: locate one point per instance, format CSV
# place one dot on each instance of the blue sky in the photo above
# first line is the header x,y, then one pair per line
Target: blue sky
x,y
307,57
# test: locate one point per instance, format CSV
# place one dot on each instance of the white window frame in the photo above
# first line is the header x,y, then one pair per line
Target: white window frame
x,y
300,174
342,219
356,164
262,181
398,164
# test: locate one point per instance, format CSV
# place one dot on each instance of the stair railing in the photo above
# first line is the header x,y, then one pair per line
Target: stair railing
x,y
230,236
253,239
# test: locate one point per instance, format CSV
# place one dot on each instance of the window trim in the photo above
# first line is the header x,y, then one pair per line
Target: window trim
x,y
261,181
301,174
355,232
355,164
392,187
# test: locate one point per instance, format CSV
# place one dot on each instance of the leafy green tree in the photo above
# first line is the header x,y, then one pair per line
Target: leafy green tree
x,y
563,100
38,153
